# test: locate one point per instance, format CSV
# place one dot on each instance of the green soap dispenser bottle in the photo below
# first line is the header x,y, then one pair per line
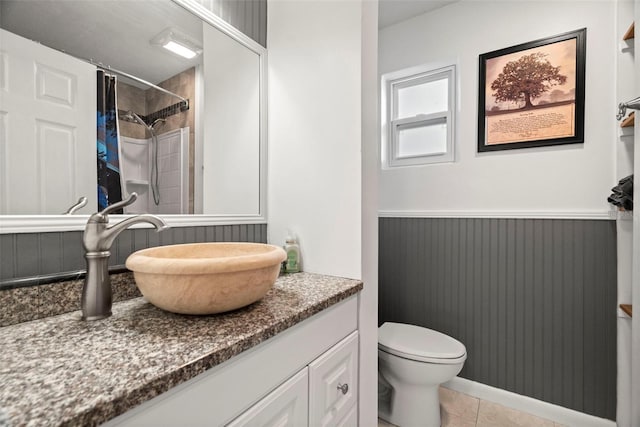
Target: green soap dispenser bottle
x,y
292,264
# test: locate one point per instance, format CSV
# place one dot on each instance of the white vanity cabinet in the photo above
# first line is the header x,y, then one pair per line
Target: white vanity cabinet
x,y
295,378
333,384
323,394
286,406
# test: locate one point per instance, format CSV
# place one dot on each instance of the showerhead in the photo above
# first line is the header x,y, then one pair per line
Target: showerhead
x,y
157,121
138,119
132,117
127,116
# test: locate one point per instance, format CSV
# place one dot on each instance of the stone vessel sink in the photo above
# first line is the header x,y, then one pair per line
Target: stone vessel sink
x,y
205,278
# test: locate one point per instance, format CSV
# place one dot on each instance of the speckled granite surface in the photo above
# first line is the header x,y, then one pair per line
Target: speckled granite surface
x,y
63,371
36,302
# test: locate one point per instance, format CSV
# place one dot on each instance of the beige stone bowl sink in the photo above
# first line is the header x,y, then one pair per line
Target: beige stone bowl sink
x,y
205,278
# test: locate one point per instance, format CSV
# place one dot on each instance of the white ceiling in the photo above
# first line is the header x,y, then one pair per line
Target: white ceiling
x,y
114,33
393,11
117,33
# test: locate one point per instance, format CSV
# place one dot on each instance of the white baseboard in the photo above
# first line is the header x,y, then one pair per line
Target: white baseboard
x,y
549,411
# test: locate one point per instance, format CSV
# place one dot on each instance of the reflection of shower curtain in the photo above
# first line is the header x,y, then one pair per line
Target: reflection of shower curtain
x,y
109,181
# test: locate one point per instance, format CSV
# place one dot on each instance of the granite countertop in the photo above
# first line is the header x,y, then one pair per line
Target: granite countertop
x,y
64,371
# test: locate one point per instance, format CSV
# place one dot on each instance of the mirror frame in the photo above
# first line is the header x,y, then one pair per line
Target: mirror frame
x,y
56,223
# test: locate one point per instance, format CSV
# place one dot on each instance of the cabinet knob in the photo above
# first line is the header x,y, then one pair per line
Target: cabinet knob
x,y
344,388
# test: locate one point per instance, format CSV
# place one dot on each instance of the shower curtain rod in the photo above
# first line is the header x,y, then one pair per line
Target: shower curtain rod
x,y
185,102
139,80
183,107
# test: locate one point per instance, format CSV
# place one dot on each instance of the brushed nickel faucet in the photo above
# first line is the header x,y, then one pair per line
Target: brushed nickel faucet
x,y
81,203
97,240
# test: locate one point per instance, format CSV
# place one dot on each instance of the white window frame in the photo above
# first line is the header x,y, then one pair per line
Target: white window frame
x,y
391,127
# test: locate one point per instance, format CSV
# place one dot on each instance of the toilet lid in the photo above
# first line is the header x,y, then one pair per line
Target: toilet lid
x,y
417,343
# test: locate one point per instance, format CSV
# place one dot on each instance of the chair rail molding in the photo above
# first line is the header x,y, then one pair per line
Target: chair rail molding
x,y
539,214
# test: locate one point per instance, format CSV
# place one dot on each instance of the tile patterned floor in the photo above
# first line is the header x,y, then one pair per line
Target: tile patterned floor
x,y
461,410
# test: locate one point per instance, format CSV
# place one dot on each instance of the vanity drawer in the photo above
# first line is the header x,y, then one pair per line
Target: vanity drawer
x,y
333,383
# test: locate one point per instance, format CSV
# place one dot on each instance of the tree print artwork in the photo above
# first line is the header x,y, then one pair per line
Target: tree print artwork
x,y
526,79
533,94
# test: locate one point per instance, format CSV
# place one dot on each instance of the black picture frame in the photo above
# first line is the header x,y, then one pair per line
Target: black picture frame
x,y
508,118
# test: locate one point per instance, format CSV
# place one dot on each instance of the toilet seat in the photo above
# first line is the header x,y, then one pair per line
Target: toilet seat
x,y
420,344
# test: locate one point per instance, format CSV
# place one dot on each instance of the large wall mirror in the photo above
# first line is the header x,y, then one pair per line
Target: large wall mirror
x,y
104,98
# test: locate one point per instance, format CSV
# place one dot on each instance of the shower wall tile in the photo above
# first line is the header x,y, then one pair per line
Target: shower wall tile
x,y
182,84
131,98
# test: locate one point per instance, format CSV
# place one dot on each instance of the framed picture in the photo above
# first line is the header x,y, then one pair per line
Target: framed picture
x,y
532,95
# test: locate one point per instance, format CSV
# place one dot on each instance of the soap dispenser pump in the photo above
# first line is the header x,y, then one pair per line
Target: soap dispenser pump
x,y
292,264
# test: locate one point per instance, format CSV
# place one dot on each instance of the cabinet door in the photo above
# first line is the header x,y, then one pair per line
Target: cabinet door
x,y
285,406
349,420
333,383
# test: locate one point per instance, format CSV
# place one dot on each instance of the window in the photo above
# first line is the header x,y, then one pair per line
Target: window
x,y
419,117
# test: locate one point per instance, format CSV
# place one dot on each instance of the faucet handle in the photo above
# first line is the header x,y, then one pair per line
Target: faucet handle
x,y
121,204
81,203
102,216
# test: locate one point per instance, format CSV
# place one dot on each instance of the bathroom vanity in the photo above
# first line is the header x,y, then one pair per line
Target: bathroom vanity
x,y
291,356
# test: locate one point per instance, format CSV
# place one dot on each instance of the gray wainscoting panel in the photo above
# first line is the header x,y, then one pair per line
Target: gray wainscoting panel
x,y
248,16
533,300
25,255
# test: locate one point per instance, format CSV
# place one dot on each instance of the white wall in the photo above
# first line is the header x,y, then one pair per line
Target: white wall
x,y
323,110
231,153
368,316
635,273
314,131
574,179
625,90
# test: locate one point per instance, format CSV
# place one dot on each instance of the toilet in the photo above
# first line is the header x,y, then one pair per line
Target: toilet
x,y
412,363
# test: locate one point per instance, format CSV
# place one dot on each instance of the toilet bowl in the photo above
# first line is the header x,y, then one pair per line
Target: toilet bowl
x,y
412,363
